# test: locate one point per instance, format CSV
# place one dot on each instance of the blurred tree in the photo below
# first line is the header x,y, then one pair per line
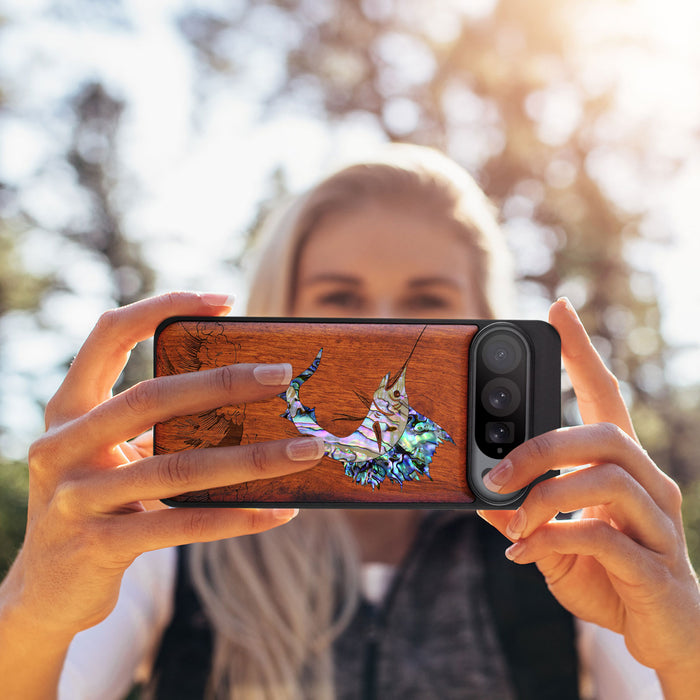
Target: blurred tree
x,y
501,87
94,234
93,155
18,291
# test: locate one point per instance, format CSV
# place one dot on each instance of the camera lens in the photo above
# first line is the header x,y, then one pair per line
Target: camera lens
x,y
499,432
502,353
500,396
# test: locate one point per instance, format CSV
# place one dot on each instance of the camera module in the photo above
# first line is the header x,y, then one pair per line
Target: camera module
x,y
501,395
505,359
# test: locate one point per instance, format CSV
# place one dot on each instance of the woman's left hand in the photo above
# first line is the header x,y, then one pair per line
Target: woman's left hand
x,y
623,564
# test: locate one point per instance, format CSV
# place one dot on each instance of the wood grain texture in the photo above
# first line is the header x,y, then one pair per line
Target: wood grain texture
x,y
355,358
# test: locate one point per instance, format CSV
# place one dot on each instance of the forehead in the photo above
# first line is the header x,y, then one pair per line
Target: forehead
x,y
385,239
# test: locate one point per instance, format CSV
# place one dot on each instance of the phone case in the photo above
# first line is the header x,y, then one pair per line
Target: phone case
x,y
390,399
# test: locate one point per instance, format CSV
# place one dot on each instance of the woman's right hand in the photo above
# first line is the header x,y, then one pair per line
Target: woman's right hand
x,y
88,516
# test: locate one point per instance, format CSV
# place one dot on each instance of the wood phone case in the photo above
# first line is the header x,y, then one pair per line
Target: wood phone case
x,y
389,398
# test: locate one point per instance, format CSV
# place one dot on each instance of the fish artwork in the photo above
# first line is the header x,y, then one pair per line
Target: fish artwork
x,y
393,441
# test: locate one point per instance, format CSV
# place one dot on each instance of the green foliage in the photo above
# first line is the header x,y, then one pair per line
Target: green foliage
x,y
18,289
691,521
14,483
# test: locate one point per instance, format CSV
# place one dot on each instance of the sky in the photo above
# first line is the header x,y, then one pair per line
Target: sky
x,y
192,189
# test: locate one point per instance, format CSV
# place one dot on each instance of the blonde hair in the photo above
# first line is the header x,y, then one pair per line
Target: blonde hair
x,y
277,600
405,174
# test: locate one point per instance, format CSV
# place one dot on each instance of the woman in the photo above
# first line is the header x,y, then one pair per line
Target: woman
x,y
412,236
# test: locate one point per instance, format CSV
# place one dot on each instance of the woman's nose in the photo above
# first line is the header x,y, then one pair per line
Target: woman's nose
x,y
383,307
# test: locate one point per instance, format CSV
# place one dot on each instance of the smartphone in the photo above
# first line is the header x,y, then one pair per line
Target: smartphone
x,y
413,413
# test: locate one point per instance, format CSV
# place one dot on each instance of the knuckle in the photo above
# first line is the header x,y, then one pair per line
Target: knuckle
x,y
141,397
257,458
610,432
617,478
175,299
42,454
599,532
674,495
542,495
611,383
673,537
175,470
110,327
37,455
67,498
257,520
52,410
226,379
660,569
539,449
196,525
107,322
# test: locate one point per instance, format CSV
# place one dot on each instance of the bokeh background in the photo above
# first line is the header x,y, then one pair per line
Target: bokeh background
x,y
140,143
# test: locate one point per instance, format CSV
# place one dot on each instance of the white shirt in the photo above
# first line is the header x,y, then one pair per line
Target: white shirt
x,y
104,661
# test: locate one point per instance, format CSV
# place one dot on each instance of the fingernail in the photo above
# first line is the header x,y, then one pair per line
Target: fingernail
x,y
305,449
569,306
515,550
517,525
285,513
218,299
498,477
274,375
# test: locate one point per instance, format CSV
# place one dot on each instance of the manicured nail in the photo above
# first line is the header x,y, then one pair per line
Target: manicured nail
x,y
515,550
569,306
305,449
218,299
517,525
499,476
285,513
274,375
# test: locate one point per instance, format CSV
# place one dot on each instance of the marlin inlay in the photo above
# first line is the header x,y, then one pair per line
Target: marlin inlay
x,y
393,441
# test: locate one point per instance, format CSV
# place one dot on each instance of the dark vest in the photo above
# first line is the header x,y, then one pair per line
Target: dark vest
x,y
460,621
